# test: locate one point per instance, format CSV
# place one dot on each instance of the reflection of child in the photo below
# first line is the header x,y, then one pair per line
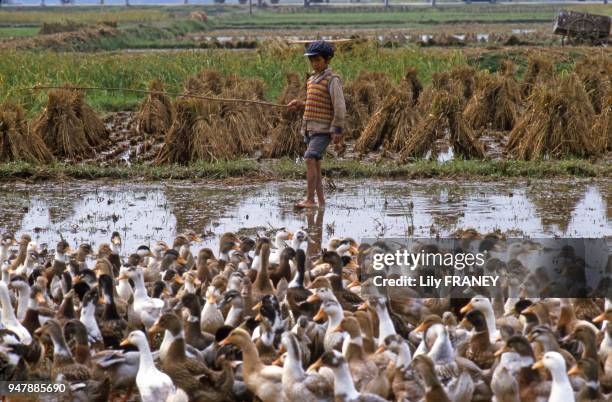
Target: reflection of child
x,y
324,111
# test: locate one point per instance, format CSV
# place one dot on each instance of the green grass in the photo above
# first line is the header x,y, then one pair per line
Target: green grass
x,y
15,32
133,70
287,169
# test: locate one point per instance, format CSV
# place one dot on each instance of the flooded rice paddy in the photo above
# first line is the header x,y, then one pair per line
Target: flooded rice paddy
x,y
143,213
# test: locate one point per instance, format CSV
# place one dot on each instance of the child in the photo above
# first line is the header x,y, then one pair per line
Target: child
x,y
323,120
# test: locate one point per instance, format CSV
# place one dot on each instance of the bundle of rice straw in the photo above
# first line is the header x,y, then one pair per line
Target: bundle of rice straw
x,y
61,128
596,76
364,96
389,127
539,70
286,139
213,130
603,123
207,82
557,123
94,128
17,141
440,81
496,102
155,114
444,118
465,76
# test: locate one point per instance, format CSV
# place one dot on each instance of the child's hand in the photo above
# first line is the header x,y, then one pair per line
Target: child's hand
x,y
295,104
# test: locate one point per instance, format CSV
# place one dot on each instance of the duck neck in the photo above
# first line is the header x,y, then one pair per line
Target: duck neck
x,y
298,279
335,318
386,326
60,349
140,291
146,358
177,347
404,356
490,318
24,301
4,252
252,362
293,364
343,383
8,315
560,382
442,349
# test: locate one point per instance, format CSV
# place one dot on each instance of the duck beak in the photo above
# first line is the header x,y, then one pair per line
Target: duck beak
x,y
338,329
290,236
574,371
278,362
320,315
313,298
197,282
122,276
316,365
466,308
181,260
464,323
537,365
501,351
600,318
40,298
353,250
363,306
353,284
282,349
421,328
179,280
225,342
380,349
124,342
77,279
39,331
258,317
257,307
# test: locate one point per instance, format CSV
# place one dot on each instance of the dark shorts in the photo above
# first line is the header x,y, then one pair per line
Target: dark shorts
x,y
317,144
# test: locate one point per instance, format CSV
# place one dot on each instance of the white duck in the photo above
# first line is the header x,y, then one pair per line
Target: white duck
x,y
561,390
153,385
146,308
9,320
280,243
124,289
484,305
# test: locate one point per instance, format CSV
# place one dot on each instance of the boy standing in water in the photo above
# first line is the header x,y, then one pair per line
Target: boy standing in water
x,y
323,121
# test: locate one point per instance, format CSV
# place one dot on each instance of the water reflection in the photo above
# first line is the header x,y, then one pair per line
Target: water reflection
x,y
89,212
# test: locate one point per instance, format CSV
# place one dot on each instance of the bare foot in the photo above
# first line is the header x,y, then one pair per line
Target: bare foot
x,y
305,204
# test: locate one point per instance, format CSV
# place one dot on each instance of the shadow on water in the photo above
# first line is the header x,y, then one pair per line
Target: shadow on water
x,y
143,213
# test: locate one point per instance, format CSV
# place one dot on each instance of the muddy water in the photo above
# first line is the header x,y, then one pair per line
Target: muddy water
x,y
90,212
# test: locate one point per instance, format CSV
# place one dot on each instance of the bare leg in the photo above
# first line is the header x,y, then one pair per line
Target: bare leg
x,y
319,184
311,180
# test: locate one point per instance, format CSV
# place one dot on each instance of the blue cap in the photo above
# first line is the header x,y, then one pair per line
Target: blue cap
x,y
319,48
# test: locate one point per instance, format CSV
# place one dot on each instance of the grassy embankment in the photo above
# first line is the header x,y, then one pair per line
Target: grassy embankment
x,y
288,169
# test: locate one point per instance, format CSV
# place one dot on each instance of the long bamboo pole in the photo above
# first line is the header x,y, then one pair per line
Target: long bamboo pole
x,y
144,91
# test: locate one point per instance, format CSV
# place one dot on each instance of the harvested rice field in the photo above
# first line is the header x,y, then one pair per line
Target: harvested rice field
x,y
168,232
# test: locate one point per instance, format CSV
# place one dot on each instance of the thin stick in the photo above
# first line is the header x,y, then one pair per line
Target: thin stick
x,y
144,91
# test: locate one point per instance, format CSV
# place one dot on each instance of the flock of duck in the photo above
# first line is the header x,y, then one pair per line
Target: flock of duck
x,y
261,321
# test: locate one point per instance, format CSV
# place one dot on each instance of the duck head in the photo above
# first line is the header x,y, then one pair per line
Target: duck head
x,y
169,322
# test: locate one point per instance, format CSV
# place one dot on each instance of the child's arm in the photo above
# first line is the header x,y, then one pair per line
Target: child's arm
x,y
337,97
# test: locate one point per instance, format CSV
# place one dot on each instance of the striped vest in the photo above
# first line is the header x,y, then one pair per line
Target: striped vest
x,y
318,105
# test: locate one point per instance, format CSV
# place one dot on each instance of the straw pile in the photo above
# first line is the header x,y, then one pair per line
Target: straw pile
x,y
96,132
155,114
212,130
444,119
286,138
496,102
595,75
364,96
603,123
557,122
17,142
539,70
69,127
465,77
390,126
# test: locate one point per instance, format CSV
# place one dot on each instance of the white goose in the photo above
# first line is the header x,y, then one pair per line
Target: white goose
x,y
9,320
153,385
